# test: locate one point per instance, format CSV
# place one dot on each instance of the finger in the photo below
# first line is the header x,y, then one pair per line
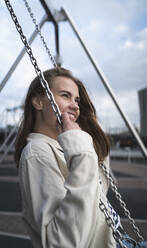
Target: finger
x,y
65,120
68,124
71,117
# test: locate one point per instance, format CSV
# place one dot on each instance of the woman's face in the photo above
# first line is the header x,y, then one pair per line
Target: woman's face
x,y
66,94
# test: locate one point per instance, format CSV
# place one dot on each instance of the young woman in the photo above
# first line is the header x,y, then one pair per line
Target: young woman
x,y
60,179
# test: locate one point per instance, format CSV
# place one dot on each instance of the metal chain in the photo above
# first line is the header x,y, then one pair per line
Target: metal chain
x,y
122,203
116,233
34,62
40,34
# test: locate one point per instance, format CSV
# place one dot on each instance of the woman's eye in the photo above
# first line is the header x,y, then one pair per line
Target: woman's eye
x,y
65,95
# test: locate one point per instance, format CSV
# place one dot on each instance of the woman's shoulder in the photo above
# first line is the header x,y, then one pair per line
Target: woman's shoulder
x,y
36,146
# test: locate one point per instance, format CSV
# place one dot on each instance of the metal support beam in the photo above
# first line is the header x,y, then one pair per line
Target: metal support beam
x,y
50,12
55,16
58,58
107,86
20,56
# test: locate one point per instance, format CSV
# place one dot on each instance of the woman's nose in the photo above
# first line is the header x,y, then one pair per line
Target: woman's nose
x,y
74,105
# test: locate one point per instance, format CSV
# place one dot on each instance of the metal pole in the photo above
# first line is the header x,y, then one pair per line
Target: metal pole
x,y
7,150
107,86
2,147
20,56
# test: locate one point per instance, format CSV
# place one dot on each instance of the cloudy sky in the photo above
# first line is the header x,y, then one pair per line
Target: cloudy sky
x,y
114,31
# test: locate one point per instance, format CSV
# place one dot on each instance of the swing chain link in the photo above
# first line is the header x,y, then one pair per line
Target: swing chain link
x,y
34,62
122,203
40,34
115,232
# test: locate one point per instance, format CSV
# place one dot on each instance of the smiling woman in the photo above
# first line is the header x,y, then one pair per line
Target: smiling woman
x,y
59,167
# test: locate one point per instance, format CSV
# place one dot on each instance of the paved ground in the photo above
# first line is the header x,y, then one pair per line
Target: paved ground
x,y
131,181
11,241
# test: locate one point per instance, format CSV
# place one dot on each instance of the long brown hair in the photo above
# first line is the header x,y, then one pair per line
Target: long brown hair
x,y
87,119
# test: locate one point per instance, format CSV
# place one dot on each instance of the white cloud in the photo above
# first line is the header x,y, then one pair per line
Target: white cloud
x,y
121,29
128,44
140,45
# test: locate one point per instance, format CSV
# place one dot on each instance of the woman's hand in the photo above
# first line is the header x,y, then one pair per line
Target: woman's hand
x,y
68,123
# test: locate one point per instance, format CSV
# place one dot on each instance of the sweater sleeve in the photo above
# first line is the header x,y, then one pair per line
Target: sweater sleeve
x,y
65,212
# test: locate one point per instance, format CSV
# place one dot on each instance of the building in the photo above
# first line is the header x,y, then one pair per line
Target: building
x,y
142,94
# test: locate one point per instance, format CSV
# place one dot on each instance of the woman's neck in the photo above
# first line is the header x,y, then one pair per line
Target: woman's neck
x,y
44,129
45,132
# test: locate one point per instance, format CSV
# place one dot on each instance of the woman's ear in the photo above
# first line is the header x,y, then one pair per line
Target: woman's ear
x,y
37,103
